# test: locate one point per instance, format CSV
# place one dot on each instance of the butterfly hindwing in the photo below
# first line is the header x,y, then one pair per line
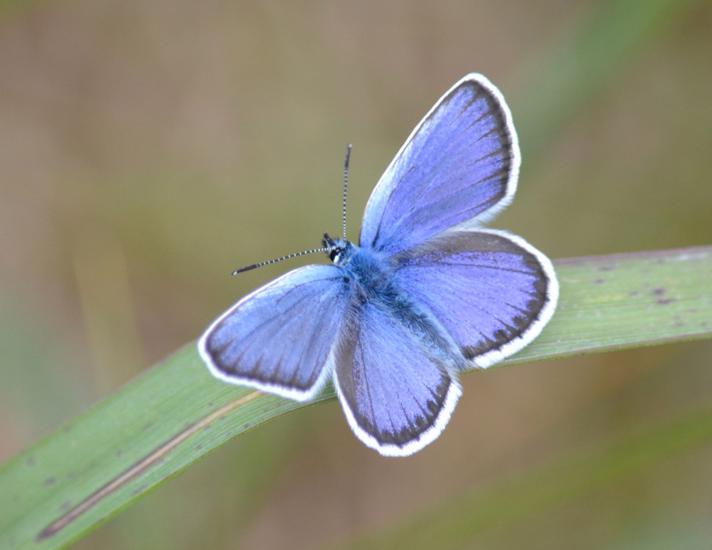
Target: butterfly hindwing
x,y
460,165
396,390
280,338
492,291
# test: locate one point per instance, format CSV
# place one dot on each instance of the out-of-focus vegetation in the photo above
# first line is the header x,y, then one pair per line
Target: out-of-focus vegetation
x,y
147,148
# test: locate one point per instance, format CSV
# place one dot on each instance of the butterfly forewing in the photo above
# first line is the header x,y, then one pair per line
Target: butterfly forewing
x,y
459,165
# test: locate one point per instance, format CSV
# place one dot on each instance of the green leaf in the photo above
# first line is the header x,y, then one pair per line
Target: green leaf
x,y
176,412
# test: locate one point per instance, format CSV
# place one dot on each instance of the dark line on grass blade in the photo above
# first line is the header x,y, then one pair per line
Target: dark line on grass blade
x,y
138,468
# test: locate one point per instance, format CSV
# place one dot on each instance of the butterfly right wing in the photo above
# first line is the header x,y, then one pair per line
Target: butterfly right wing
x,y
459,167
279,339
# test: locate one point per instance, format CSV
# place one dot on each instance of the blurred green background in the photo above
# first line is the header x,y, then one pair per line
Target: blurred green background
x,y
149,147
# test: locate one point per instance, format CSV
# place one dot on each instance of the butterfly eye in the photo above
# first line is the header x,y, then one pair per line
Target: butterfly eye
x,y
335,253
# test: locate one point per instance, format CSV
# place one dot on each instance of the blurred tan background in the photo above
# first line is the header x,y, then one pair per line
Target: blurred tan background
x,y
149,147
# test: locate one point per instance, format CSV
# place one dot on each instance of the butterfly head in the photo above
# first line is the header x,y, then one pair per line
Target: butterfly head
x,y
338,250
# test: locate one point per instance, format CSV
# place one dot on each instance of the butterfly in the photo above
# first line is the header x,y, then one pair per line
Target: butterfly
x,y
425,295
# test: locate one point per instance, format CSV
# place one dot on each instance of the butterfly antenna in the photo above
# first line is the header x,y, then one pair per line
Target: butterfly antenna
x,y
280,259
344,196
345,192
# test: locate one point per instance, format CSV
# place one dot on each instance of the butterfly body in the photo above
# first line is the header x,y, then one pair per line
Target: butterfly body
x,y
368,275
426,294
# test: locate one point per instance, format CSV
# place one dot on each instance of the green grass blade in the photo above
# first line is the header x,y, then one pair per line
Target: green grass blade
x,y
175,413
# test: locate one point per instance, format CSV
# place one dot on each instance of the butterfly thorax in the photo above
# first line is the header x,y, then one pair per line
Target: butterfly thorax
x,y
368,270
363,267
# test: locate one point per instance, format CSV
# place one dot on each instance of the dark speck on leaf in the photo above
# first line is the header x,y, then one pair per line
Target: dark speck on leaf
x,y
49,482
30,461
599,281
633,293
660,292
606,268
247,425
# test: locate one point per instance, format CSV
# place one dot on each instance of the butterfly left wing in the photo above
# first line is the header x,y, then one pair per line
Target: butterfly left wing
x,y
492,291
280,338
459,166
396,390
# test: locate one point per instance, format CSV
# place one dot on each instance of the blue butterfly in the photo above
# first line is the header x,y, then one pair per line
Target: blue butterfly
x,y
425,295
